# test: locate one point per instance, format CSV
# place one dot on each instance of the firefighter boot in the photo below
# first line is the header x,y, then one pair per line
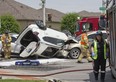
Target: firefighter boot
x,y
89,59
96,76
102,77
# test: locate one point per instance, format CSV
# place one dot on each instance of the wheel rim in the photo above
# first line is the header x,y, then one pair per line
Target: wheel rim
x,y
75,53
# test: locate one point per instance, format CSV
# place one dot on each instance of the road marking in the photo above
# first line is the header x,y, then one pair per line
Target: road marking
x,y
42,61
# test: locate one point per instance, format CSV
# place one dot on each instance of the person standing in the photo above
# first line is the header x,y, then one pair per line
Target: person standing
x,y
99,54
84,48
6,44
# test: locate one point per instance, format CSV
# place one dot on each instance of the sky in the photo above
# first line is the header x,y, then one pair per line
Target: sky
x,y
66,6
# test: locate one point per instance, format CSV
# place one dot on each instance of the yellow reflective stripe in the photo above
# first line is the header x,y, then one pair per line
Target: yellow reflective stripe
x,y
105,50
95,50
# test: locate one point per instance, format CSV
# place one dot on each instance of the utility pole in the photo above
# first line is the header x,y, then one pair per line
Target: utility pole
x,y
43,7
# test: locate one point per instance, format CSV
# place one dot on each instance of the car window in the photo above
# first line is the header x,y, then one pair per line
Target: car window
x,y
53,40
92,36
13,39
78,38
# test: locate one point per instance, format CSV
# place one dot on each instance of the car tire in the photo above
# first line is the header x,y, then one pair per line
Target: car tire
x,y
74,53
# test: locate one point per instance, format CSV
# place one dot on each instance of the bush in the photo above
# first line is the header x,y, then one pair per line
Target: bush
x,y
8,22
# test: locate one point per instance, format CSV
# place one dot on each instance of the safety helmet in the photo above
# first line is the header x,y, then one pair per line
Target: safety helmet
x,y
99,33
102,16
6,32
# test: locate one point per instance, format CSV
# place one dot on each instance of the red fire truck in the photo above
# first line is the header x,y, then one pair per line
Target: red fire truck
x,y
88,24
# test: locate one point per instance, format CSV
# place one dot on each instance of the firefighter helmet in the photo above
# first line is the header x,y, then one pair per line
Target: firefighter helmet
x,y
6,32
99,33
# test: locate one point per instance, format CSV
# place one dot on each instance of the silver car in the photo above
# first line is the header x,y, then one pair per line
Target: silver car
x,y
91,37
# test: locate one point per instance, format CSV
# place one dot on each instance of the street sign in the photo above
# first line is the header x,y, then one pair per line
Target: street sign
x,y
102,8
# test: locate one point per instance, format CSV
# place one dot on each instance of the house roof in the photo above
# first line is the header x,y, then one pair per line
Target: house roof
x,y
24,12
89,14
56,15
18,10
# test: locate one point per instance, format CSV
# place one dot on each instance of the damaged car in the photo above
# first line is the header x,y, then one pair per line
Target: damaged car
x,y
38,40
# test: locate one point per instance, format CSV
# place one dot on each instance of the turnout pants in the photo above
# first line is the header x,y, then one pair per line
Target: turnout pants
x,y
100,63
84,52
7,52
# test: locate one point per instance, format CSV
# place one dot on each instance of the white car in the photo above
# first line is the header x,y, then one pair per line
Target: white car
x,y
37,40
13,45
91,37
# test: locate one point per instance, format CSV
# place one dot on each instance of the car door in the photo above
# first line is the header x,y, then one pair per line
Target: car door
x,y
29,49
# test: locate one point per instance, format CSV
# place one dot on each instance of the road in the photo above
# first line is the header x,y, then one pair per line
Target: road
x,y
66,70
80,73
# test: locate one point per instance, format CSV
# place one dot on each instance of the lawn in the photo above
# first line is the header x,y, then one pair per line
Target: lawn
x,y
13,80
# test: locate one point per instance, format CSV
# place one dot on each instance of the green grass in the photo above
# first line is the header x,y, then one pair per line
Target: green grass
x,y
16,80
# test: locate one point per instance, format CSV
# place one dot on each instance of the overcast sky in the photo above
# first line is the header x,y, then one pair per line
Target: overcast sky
x,y
66,5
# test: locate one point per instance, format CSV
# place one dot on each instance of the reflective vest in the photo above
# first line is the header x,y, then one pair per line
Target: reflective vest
x,y
95,50
84,39
6,40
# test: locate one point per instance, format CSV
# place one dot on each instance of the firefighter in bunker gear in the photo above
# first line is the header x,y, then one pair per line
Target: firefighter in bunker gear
x,y
84,48
99,50
6,44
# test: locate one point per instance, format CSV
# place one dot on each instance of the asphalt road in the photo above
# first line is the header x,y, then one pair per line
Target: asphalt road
x,y
66,70
80,72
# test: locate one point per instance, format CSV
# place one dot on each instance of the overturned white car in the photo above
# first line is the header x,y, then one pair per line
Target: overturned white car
x,y
38,40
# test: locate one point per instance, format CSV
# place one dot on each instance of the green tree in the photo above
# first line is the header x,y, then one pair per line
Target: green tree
x,y
8,22
69,22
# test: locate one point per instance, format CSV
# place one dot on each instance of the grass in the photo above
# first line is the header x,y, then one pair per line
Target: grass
x,y
16,80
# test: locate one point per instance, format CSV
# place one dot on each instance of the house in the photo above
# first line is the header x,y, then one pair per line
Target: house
x,y
53,18
26,15
23,14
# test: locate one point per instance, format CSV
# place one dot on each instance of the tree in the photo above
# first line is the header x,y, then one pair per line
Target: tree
x,y
8,22
69,22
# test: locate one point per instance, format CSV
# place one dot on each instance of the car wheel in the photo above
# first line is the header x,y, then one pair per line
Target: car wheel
x,y
74,53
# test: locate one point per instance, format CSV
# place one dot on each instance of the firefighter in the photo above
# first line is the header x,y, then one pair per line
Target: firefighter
x,y
102,22
99,50
6,44
84,48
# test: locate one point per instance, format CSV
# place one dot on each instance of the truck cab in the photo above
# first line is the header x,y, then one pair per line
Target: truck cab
x,y
88,23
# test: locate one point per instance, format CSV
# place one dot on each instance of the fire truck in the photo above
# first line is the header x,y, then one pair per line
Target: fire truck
x,y
111,16
89,24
